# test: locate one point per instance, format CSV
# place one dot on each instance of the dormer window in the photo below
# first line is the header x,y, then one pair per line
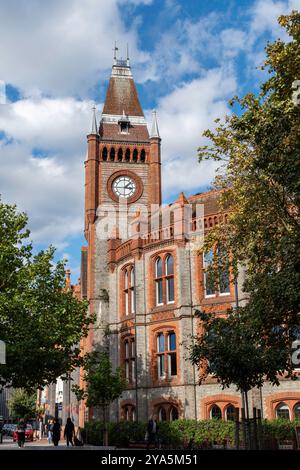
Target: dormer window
x,y
124,124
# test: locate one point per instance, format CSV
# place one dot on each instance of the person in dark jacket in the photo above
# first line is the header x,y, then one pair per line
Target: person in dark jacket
x,y
69,432
21,428
152,431
56,432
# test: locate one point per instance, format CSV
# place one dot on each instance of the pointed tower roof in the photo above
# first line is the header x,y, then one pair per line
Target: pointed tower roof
x,y
93,129
122,105
154,128
182,200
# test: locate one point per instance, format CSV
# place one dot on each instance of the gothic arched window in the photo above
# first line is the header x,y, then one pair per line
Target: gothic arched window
x,y
162,414
215,412
127,155
143,155
129,290
297,411
112,154
169,270
159,281
129,359
173,414
120,154
230,413
104,154
166,354
135,155
282,411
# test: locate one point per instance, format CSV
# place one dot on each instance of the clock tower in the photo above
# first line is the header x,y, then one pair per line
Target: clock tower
x,y
123,160
123,165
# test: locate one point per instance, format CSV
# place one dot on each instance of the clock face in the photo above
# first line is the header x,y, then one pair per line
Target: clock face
x,y
124,186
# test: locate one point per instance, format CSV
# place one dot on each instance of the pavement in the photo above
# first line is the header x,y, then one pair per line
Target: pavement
x,y
43,444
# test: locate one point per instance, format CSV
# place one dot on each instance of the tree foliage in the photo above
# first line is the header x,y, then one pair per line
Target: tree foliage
x,y
40,322
103,385
22,404
259,175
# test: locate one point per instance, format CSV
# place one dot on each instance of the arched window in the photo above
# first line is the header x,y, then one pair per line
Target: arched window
x,y
112,154
162,414
282,411
143,155
127,362
132,296
297,411
126,291
209,280
210,284
230,413
135,155
120,154
172,355
215,412
166,354
161,355
159,281
164,280
129,412
104,154
129,358
173,414
169,267
129,290
127,155
224,283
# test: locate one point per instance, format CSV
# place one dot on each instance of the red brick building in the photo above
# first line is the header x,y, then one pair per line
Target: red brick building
x,y
144,287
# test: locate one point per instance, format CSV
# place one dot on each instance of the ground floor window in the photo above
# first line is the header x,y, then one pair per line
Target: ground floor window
x,y
297,411
230,413
128,412
282,411
215,412
167,412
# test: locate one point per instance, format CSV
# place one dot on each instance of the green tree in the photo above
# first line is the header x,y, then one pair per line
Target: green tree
x,y
230,349
22,404
258,148
103,386
40,322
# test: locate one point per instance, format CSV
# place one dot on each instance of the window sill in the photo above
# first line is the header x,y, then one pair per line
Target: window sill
x,y
162,308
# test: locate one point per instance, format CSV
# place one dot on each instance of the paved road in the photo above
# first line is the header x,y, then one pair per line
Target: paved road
x,y
8,444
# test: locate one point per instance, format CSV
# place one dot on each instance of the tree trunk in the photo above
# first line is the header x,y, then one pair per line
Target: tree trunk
x,y
105,430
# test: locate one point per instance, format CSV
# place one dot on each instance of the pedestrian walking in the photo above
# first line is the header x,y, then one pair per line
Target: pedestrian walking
x,y
69,432
152,432
21,428
50,431
56,432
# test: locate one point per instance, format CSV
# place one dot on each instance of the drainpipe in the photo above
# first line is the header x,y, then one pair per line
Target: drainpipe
x,y
192,319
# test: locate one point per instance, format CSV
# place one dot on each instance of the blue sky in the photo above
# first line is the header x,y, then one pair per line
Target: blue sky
x,y
189,57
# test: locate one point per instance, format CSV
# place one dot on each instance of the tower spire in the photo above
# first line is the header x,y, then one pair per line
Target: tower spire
x,y
154,128
115,53
94,122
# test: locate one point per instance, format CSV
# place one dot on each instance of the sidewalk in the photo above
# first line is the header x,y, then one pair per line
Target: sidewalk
x,y
42,444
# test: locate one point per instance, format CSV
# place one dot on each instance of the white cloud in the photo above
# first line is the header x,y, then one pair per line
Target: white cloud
x,y
50,188
61,48
264,16
64,49
183,116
